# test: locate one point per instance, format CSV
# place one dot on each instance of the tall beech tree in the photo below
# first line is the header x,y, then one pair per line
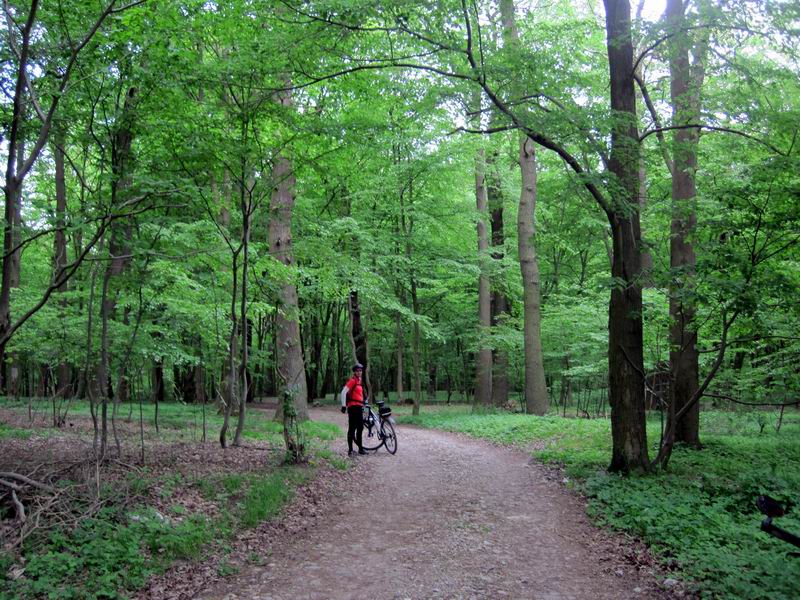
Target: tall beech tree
x,y
686,80
289,361
536,397
625,327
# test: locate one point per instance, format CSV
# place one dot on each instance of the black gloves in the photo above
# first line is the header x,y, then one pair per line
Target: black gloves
x,y
344,410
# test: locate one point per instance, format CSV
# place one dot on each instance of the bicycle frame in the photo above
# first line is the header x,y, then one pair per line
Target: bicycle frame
x,y
772,508
780,533
374,423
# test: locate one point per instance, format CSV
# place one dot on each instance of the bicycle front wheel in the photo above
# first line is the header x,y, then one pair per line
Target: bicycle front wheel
x,y
370,435
389,437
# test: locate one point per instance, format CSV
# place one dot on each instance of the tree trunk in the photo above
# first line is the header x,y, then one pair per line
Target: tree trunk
x,y
246,208
358,337
483,366
289,361
684,369
399,354
333,349
199,382
499,305
64,375
625,352
432,383
119,245
536,400
11,266
415,349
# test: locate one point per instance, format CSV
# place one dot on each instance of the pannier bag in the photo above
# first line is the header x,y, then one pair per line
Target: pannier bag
x,y
385,411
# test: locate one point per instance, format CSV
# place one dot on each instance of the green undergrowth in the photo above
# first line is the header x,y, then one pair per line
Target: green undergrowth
x,y
699,516
114,553
176,421
6,432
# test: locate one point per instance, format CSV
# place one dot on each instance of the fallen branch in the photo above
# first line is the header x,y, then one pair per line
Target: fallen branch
x,y
27,480
12,486
19,506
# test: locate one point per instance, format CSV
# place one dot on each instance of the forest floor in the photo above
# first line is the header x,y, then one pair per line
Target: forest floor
x,y
446,517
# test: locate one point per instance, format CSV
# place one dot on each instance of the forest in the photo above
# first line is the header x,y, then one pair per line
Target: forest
x,y
539,210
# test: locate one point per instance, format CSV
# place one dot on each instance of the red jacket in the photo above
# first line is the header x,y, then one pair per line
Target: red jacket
x,y
356,395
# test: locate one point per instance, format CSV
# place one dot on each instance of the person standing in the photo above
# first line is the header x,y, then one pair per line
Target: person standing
x,y
352,397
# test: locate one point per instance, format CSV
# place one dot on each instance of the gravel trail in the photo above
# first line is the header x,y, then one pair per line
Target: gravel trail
x,y
446,517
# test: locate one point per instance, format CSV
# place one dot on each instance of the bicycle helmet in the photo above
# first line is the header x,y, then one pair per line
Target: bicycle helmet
x,y
358,366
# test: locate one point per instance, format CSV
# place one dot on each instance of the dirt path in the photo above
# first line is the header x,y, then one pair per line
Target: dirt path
x,y
447,517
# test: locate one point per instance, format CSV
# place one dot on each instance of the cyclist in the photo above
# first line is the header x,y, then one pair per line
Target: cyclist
x,y
352,397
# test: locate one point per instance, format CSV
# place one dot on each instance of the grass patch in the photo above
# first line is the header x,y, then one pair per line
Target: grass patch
x,y
108,554
700,516
264,499
176,421
336,461
7,432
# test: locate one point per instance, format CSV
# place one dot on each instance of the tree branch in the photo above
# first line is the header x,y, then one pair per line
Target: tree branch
x,y
734,400
764,143
659,131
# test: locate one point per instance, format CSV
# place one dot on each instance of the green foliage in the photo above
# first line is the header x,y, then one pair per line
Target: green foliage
x,y
6,431
108,554
336,462
114,552
700,516
266,496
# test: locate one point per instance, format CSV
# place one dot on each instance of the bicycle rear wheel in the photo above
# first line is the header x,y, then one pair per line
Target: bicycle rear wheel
x,y
389,437
370,436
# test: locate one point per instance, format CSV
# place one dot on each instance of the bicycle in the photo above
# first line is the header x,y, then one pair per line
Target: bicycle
x,y
378,428
771,509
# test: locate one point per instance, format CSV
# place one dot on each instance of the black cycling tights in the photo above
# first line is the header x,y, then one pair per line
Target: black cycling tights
x,y
355,420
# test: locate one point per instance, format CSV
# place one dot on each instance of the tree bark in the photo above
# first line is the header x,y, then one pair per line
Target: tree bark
x,y
14,268
483,366
536,399
246,208
684,368
625,352
289,360
400,374
64,375
358,335
499,304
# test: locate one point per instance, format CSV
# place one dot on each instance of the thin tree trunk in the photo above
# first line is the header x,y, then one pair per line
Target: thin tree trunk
x,y
64,375
230,393
399,357
158,387
415,350
103,368
499,305
483,366
246,209
119,248
358,340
